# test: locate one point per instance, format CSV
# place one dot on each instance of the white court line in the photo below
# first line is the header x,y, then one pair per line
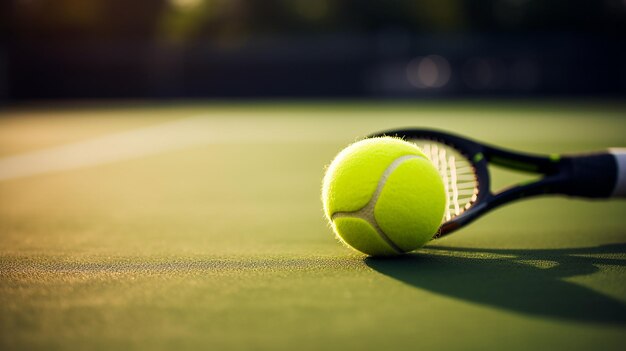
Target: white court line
x,y
182,133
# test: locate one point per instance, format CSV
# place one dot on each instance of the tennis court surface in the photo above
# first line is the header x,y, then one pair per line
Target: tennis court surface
x,y
188,226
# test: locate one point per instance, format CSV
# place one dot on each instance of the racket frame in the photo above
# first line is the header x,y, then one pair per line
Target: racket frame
x,y
591,176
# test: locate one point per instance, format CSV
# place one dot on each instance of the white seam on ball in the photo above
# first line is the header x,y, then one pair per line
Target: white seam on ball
x,y
367,212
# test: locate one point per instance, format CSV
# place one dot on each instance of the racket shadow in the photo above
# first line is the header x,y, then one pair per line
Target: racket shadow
x,y
531,282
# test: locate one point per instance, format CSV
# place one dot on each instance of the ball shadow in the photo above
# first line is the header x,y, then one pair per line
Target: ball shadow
x,y
525,281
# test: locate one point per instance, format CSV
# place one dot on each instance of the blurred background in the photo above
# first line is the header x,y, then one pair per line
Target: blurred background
x,y
167,49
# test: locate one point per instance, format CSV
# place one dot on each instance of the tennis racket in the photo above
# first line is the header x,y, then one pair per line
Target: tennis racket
x,y
463,163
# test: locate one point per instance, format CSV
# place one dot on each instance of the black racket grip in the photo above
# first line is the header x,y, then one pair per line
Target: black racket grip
x,y
601,175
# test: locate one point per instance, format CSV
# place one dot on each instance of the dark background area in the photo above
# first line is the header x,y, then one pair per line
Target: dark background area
x,y
86,49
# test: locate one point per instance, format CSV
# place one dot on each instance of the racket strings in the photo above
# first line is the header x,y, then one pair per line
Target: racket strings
x,y
457,173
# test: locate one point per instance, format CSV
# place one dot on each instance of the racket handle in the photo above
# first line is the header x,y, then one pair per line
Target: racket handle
x,y
599,175
620,183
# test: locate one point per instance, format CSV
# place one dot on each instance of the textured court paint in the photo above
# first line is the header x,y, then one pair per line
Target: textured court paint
x,y
185,250
360,235
421,210
369,160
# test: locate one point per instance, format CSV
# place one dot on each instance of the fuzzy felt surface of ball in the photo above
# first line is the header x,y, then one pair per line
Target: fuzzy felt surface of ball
x,y
383,196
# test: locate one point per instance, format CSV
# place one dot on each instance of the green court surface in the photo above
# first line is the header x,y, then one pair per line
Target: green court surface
x,y
199,226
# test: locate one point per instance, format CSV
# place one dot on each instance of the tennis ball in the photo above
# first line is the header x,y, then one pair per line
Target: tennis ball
x,y
383,196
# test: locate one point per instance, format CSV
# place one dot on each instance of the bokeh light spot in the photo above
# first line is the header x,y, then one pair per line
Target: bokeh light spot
x,y
432,71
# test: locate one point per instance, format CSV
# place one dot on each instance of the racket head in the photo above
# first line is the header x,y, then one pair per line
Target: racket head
x,y
463,167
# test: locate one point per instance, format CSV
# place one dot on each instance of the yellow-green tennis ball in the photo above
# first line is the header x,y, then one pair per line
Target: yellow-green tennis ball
x,y
383,196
